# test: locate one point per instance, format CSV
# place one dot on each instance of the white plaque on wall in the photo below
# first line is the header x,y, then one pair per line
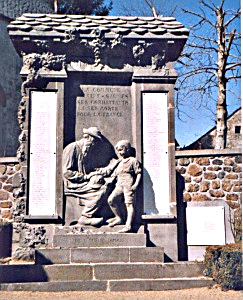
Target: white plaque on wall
x,y
42,158
155,154
205,226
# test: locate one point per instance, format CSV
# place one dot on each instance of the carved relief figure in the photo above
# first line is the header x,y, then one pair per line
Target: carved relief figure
x,y
89,188
128,175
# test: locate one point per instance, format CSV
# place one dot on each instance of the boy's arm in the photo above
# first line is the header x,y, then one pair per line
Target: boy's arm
x,y
136,183
107,171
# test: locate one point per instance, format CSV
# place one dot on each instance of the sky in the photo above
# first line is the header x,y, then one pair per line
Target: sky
x,y
198,121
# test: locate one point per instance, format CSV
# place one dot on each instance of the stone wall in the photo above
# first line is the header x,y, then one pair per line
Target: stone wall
x,y
10,181
211,175
205,175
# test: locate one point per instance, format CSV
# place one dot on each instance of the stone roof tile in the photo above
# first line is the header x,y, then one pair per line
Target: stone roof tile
x,y
75,17
102,21
25,19
83,20
121,30
72,24
148,19
43,28
111,25
36,23
138,22
128,18
61,28
92,24
43,20
50,24
17,22
33,16
157,22
139,30
118,22
94,17
149,26
158,31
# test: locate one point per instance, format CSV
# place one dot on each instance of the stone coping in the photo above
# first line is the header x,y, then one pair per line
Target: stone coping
x,y
9,160
127,26
178,154
158,217
208,152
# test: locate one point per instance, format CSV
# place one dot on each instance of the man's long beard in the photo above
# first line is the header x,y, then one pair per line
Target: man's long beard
x,y
86,148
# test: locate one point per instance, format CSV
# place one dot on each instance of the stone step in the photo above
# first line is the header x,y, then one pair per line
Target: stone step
x,y
111,285
102,271
146,270
99,255
77,229
99,240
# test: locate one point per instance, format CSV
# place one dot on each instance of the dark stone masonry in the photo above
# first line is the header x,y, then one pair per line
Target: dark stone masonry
x,y
214,177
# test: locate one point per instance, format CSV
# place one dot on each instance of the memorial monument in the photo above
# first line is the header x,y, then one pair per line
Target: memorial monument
x,y
88,83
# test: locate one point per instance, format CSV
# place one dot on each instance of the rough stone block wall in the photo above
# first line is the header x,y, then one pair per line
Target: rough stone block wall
x,y
10,181
205,178
216,177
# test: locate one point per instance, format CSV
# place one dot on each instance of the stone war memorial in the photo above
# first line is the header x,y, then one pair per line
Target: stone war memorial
x,y
97,153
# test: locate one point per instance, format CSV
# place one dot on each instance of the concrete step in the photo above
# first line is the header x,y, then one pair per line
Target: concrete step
x,y
99,240
99,255
112,285
98,271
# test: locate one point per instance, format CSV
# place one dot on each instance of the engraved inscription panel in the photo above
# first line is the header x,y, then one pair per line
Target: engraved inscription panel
x,y
42,159
155,154
205,226
107,107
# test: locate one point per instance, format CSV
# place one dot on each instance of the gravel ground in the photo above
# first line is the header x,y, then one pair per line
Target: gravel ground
x,y
214,293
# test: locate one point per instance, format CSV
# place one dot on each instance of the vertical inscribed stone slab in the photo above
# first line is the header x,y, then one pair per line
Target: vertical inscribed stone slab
x,y
42,158
108,107
155,153
98,99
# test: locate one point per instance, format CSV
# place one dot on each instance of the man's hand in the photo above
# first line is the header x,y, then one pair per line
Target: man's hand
x,y
91,175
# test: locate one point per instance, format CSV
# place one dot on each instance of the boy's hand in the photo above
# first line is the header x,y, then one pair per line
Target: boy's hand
x,y
133,188
91,174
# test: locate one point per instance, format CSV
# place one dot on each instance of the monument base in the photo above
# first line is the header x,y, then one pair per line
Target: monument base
x,y
162,230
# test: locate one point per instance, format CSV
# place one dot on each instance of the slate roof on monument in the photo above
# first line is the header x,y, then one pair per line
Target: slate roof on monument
x,y
54,25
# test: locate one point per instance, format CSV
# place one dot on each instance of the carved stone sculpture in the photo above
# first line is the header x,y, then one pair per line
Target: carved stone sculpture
x,y
87,187
127,173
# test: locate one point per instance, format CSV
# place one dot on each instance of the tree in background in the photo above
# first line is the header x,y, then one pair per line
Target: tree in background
x,y
211,60
147,8
209,67
82,7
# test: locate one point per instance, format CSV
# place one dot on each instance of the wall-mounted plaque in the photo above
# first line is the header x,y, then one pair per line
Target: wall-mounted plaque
x,y
155,153
42,153
205,226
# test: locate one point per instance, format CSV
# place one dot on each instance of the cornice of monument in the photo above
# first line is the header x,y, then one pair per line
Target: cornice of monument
x,y
103,42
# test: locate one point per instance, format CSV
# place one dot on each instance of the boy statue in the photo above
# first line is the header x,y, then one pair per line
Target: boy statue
x,y
128,175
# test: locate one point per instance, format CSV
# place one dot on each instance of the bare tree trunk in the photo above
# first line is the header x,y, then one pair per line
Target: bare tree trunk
x,y
221,117
152,7
55,6
221,110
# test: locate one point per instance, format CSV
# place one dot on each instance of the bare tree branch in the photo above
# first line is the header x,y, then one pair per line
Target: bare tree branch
x,y
210,60
233,18
199,16
153,9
